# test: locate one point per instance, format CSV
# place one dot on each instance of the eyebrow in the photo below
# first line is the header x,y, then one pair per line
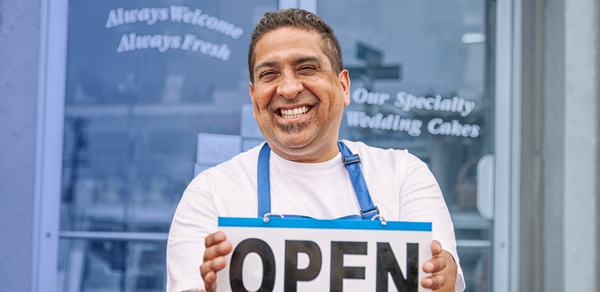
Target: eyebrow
x,y
306,59
295,62
264,64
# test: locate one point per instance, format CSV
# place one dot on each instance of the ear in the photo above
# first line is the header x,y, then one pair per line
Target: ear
x,y
252,98
345,83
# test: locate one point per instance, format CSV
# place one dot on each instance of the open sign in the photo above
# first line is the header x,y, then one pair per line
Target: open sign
x,y
324,255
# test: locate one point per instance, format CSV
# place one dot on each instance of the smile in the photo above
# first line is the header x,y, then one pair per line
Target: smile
x,y
293,113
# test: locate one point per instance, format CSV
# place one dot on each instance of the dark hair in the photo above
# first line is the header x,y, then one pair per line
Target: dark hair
x,y
301,19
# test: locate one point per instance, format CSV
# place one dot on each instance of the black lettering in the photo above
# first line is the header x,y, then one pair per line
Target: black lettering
x,y
387,263
237,260
292,273
338,271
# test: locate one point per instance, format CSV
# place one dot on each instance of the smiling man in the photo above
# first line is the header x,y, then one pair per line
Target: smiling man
x,y
299,89
298,97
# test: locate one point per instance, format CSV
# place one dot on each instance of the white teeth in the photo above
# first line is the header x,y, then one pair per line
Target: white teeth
x,y
294,113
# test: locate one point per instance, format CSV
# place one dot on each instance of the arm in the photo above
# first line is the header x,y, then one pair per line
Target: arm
x,y
422,201
216,248
194,220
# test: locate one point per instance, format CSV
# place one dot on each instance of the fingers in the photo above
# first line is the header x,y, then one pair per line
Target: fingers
x,y
210,282
214,238
216,248
435,264
212,266
436,248
434,282
441,265
208,271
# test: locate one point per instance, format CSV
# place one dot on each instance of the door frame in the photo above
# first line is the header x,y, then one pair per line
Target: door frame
x,y
50,123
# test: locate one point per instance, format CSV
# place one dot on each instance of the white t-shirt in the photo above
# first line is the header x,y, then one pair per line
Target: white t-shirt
x,y
400,184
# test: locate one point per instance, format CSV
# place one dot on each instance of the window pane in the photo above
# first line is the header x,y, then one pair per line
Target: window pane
x,y
144,78
111,265
421,81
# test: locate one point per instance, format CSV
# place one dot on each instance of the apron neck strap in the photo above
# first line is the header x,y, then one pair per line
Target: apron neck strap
x,y
352,163
264,181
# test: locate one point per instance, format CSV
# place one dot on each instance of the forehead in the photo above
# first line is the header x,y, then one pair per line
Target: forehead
x,y
288,42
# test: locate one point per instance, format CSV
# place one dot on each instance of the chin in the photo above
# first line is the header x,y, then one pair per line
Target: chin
x,y
293,140
294,135
294,143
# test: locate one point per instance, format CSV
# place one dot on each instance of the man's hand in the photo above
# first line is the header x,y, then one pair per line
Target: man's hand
x,y
443,268
216,248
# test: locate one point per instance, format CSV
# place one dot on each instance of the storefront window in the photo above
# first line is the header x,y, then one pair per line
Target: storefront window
x,y
421,81
144,78
157,91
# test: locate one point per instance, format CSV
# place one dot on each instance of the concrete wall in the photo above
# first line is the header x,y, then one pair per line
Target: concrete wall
x,y
19,48
559,147
579,194
532,137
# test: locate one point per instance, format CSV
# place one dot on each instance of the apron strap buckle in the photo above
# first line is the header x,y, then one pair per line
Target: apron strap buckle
x,y
370,214
351,159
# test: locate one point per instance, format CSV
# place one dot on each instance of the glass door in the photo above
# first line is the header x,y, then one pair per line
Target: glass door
x,y
146,82
156,91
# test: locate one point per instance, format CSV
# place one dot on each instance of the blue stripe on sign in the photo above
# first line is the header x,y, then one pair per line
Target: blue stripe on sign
x,y
324,224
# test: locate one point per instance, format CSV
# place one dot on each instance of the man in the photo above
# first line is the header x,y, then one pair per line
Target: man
x,y
299,89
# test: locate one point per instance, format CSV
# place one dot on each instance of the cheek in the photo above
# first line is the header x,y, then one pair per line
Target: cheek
x,y
262,98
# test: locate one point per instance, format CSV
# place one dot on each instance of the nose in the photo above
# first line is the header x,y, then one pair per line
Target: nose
x,y
289,86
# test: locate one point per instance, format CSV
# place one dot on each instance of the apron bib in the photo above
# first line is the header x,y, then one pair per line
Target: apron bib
x,y
368,211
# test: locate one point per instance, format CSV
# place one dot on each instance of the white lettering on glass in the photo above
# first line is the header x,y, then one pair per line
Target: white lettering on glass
x,y
389,122
175,13
407,102
162,43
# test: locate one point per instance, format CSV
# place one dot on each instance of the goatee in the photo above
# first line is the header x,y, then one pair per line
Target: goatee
x,y
293,128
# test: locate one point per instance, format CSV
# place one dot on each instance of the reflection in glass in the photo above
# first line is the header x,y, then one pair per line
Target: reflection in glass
x,y
144,79
111,265
134,109
421,81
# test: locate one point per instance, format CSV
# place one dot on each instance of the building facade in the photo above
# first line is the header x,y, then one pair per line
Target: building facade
x,y
110,109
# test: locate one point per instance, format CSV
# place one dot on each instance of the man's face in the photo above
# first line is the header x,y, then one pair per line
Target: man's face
x,y
298,99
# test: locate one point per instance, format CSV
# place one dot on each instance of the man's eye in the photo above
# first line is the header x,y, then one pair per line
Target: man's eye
x,y
267,74
307,69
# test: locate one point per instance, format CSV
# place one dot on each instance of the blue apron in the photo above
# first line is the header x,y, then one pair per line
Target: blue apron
x,y
368,211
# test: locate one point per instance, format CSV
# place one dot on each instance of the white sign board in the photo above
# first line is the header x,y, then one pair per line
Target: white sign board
x,y
324,255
